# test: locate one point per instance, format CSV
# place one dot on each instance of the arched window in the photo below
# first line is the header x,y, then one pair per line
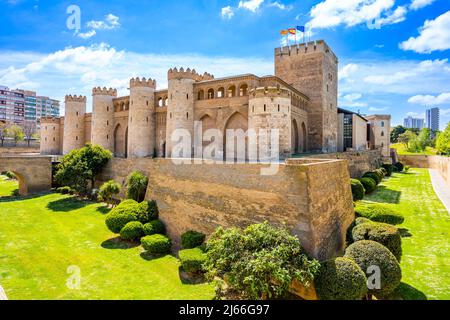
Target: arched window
x,y
232,91
382,133
211,94
201,95
221,92
160,102
243,90
166,101
382,124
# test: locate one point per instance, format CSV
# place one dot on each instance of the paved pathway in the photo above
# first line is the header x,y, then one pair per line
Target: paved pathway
x,y
440,187
2,294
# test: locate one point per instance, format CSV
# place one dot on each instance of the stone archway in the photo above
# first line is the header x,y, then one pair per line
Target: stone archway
x,y
33,173
304,138
119,142
295,137
239,124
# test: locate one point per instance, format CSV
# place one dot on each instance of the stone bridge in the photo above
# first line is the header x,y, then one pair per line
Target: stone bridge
x,y
33,172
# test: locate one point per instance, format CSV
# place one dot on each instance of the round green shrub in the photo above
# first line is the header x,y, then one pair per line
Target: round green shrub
x,y
368,254
385,173
65,190
373,175
385,234
118,217
389,168
361,220
192,259
358,190
399,167
156,244
341,279
380,173
132,231
369,184
192,239
148,211
154,227
379,213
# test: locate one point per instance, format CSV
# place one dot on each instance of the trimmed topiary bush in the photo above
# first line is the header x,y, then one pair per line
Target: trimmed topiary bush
x,y
148,211
369,184
132,231
118,217
358,190
341,279
389,168
399,167
380,173
154,227
379,213
192,260
373,175
369,254
361,220
156,244
192,239
385,173
65,190
385,234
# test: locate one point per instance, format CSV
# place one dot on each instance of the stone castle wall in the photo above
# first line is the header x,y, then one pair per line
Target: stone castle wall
x,y
103,117
440,163
50,137
202,197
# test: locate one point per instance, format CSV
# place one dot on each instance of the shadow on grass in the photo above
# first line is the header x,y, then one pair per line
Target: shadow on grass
x,y
407,292
190,278
67,204
118,244
385,195
404,233
21,198
104,210
149,256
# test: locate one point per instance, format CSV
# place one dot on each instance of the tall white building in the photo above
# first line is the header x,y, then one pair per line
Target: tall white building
x,y
433,117
414,123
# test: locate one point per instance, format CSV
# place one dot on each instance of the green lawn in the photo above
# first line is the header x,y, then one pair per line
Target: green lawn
x,y
41,236
401,150
7,187
426,249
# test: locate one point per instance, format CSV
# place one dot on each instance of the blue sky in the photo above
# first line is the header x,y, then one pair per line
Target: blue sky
x,y
393,53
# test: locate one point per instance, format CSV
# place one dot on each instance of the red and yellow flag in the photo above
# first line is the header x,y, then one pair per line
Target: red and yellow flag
x,y
284,32
292,31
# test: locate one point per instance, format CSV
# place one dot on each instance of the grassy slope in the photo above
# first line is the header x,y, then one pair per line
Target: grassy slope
x,y
426,254
7,187
41,237
401,150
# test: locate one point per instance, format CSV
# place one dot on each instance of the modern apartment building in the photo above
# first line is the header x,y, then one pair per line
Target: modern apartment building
x,y
414,123
24,106
433,117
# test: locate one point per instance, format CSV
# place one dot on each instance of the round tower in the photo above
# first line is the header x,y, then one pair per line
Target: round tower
x,y
141,119
103,117
270,108
75,107
50,136
180,111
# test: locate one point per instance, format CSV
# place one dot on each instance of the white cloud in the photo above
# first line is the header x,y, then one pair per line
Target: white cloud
x,y
280,6
429,100
419,4
351,101
87,35
227,12
251,5
110,22
374,109
347,70
434,35
375,13
78,70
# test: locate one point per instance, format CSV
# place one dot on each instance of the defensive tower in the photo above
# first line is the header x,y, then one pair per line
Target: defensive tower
x,y
103,117
74,138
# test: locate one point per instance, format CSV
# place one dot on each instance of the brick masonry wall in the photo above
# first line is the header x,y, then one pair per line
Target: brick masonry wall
x,y
202,197
440,163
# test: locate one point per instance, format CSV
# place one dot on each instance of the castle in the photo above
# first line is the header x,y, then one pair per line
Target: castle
x,y
300,100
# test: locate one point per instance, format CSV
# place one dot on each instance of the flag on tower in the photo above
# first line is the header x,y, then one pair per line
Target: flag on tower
x,y
284,32
292,31
301,28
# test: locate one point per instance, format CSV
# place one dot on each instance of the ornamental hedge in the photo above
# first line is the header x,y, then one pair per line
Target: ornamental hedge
x,y
156,244
389,168
192,239
373,175
358,190
132,231
148,211
341,279
379,213
399,167
118,217
369,184
370,256
385,234
154,227
192,260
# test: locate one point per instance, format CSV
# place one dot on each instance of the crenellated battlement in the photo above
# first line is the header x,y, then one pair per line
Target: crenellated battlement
x,y
305,48
136,82
50,120
188,74
272,92
75,98
104,91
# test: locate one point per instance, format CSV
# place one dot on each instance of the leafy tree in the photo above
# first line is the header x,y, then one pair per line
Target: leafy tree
x,y
258,262
108,190
443,141
396,131
16,133
29,129
136,186
81,166
3,132
406,137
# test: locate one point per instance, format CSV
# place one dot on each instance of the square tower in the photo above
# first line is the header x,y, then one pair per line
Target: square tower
x,y
312,68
